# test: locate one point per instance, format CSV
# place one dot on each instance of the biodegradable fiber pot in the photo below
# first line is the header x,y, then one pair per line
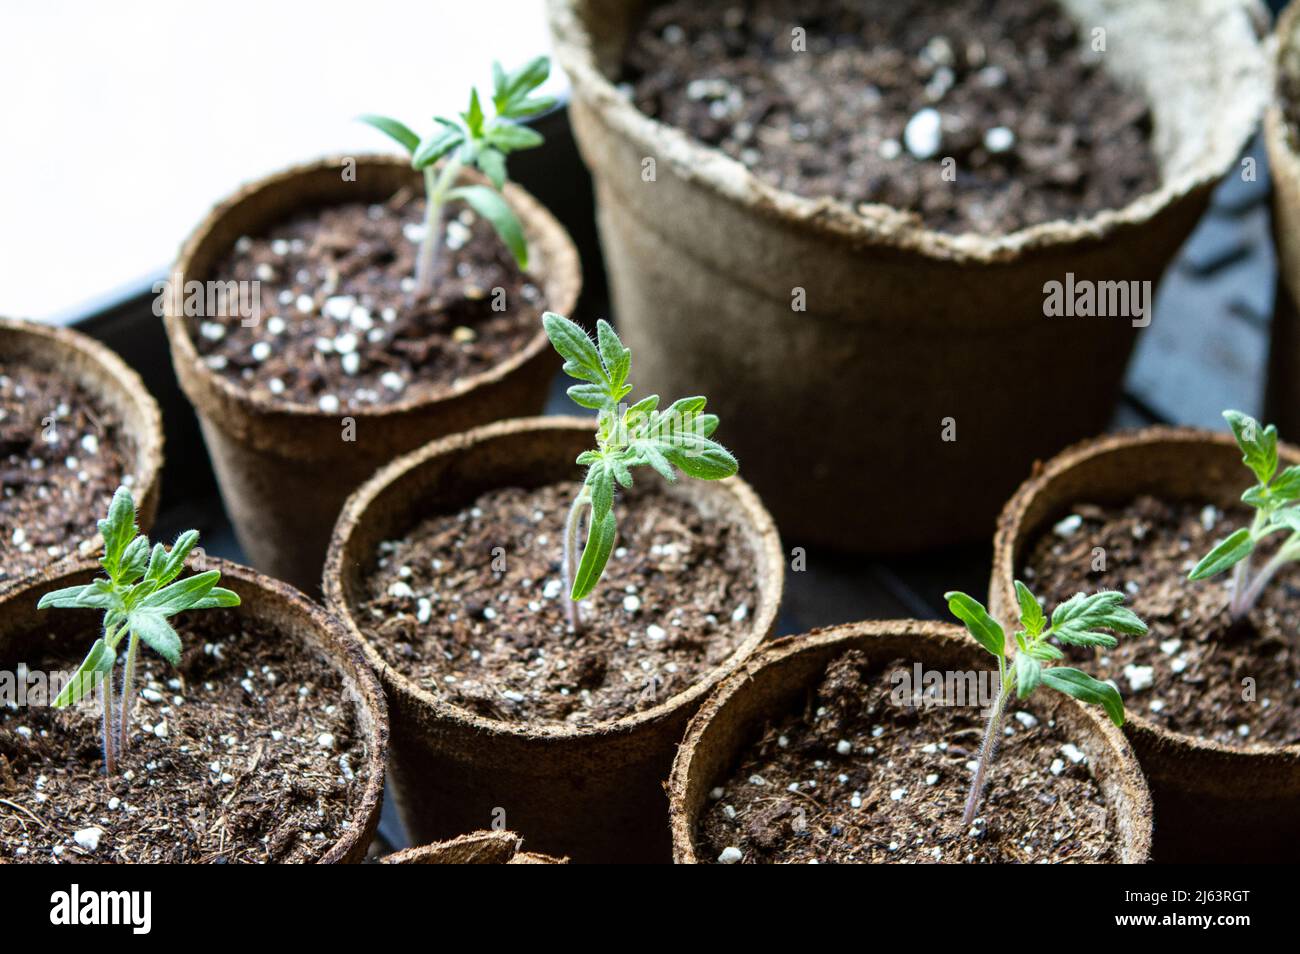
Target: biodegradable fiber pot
x,y
284,468
476,848
1210,800
1284,166
106,377
591,793
903,324
25,632
777,679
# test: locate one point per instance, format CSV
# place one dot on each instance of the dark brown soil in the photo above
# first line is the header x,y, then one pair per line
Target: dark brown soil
x,y
1189,673
62,456
896,792
675,601
340,325
1036,129
249,752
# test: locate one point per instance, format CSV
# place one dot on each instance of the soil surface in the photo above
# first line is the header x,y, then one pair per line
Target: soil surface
x,y
854,776
472,606
885,91
340,326
246,753
62,457
1189,673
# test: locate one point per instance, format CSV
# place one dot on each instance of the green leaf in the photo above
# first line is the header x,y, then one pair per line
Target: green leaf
x,y
175,561
93,669
574,346
492,207
512,94
600,543
616,358
1083,687
509,137
978,622
474,115
647,452
593,396
394,130
439,143
70,597
183,594
118,530
524,108
1258,444
1229,552
217,598
135,558
151,626
1029,673
600,483
701,458
1031,614
493,164
1044,652
1078,620
706,424
1286,486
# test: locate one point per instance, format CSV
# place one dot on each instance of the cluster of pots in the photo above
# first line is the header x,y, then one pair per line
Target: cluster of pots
x,y
311,510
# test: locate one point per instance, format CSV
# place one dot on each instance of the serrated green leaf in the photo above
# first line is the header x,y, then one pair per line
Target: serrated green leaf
x,y
218,598
592,396
649,453
493,164
701,458
500,216
1285,487
1226,554
1083,687
1079,620
1028,674
978,622
1031,613
67,598
152,627
93,670
181,595
510,137
1045,652
176,557
616,358
438,144
1258,444
118,530
706,424
600,543
474,115
135,559
600,484
519,84
574,346
394,129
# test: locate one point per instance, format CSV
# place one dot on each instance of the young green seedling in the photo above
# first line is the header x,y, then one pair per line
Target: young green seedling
x,y
473,139
677,437
137,598
1274,498
1078,621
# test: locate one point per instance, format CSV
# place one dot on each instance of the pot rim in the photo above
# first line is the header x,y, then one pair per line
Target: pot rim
x,y
844,637
1012,520
877,224
565,269
148,459
1281,149
769,569
341,646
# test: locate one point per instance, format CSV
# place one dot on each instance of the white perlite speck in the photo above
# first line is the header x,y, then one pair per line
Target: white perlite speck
x,y
328,403
1069,526
924,134
631,603
325,740
730,855
999,139
843,746
1139,677
1073,753
393,381
88,838
655,633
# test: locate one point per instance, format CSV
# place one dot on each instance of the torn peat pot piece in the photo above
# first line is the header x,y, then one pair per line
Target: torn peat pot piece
x,y
870,203
449,564
264,743
1211,688
332,364
476,848
75,424
835,746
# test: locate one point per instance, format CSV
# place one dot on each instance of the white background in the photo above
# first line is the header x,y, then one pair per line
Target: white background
x,y
123,121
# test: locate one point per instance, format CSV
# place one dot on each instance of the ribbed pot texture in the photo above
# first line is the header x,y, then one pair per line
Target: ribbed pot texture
x,y
284,468
1284,166
906,331
1212,801
476,848
591,793
777,679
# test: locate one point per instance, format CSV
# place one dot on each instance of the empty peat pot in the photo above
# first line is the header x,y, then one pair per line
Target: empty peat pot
x,y
706,262
476,848
843,675
72,406
1134,500
1284,166
285,466
266,743
590,790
